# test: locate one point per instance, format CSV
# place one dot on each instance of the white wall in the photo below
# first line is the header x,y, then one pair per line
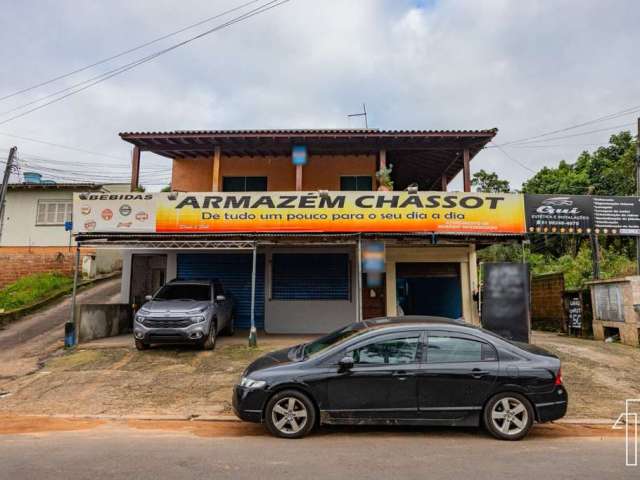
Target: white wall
x,y
309,316
20,228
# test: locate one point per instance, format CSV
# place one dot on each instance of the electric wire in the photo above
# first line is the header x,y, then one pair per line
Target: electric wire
x,y
126,52
122,69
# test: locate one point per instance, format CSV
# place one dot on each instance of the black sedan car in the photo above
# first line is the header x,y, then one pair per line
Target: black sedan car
x,y
404,371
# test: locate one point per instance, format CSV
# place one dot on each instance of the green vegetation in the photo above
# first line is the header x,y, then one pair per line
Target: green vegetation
x,y
609,170
489,182
31,289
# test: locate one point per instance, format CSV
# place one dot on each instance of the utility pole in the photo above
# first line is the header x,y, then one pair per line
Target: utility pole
x,y
595,256
638,190
5,184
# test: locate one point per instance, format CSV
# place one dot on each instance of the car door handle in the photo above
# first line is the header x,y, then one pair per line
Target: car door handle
x,y
477,373
402,374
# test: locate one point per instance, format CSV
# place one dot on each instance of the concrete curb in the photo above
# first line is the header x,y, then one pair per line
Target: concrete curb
x,y
585,421
154,418
232,418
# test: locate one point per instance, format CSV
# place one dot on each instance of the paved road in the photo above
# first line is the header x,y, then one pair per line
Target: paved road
x,y
119,452
24,343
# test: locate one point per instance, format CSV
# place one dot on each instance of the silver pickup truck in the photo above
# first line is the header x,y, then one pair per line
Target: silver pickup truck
x,y
184,311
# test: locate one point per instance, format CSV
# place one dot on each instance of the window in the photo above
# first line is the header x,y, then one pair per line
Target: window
x,y
218,288
359,183
244,184
331,339
396,351
54,212
310,276
442,349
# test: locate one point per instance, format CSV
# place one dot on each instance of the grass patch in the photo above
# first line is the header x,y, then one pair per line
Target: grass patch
x,y
87,360
31,289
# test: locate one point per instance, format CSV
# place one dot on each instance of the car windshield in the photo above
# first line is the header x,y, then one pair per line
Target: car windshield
x,y
331,339
184,292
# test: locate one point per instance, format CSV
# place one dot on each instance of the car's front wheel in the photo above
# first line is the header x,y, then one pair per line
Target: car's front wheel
x,y
140,345
508,416
290,414
209,342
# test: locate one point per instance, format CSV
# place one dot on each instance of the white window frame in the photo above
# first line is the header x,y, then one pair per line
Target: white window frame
x,y
50,211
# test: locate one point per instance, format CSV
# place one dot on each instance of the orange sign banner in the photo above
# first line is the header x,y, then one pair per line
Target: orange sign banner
x,y
445,212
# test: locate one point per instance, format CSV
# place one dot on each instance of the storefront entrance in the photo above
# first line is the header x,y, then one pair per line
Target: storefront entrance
x,y
429,289
147,276
234,271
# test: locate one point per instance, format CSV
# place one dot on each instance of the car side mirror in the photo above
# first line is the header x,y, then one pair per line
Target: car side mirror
x,y
220,298
346,363
148,298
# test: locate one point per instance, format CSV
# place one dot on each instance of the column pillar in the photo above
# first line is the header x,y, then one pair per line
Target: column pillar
x,y
443,183
215,175
135,168
466,172
298,178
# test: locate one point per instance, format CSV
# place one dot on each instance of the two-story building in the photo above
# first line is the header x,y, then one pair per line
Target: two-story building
x,y
284,217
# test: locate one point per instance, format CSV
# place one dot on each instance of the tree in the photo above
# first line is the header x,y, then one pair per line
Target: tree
x,y
609,170
489,182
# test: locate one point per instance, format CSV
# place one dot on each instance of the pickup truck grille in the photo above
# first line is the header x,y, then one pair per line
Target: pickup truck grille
x,y
167,322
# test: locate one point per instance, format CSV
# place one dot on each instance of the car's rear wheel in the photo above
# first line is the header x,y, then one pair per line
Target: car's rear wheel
x,y
230,329
140,345
508,416
209,342
290,414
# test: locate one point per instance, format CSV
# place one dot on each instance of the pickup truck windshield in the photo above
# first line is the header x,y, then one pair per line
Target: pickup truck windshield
x,y
184,292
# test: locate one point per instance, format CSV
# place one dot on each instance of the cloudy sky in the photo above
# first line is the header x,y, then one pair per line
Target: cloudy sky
x,y
526,67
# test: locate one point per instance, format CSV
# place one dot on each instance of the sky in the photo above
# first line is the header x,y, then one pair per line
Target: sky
x,y
525,67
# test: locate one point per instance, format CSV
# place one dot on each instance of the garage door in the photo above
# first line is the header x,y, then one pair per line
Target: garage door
x,y
234,271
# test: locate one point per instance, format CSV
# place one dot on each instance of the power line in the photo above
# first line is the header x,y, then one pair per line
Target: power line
x,y
557,145
611,116
499,147
107,75
126,52
59,145
512,145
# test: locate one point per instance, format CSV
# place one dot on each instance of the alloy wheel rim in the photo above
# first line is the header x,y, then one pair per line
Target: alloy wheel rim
x,y
289,415
509,416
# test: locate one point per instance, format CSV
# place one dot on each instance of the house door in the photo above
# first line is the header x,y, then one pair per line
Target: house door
x,y
429,289
148,274
374,302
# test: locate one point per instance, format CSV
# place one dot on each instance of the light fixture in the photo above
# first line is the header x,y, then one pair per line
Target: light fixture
x,y
324,194
172,196
413,188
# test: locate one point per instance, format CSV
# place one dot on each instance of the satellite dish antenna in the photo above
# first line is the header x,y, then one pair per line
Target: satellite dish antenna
x,y
362,114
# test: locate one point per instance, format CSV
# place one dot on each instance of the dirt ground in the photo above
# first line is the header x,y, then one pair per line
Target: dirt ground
x,y
118,380
174,381
599,376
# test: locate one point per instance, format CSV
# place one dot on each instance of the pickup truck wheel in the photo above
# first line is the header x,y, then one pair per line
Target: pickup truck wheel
x,y
140,345
210,340
230,329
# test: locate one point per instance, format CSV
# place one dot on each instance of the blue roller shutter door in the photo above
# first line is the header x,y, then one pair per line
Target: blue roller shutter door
x,y
310,276
234,271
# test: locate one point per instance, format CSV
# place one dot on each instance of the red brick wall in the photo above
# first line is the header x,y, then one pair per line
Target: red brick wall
x,y
16,262
547,308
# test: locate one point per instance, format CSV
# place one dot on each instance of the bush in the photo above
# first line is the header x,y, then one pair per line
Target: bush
x,y
32,288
